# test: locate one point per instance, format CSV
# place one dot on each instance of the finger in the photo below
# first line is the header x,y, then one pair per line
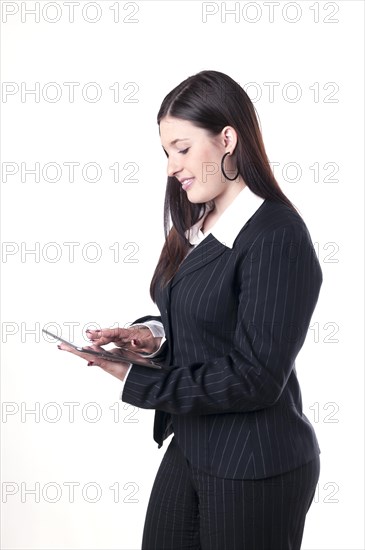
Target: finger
x,y
106,335
138,346
83,355
109,366
138,337
116,351
94,347
139,332
102,335
63,346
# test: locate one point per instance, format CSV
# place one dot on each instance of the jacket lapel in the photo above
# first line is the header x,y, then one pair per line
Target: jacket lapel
x,y
204,253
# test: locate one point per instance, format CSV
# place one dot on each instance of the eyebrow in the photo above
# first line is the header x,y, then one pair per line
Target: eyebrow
x,y
178,139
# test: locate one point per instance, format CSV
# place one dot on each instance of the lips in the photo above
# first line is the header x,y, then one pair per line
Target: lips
x,y
186,183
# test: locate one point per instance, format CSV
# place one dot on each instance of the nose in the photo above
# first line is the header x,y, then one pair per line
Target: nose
x,y
173,166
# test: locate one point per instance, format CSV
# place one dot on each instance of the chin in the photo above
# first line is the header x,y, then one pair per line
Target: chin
x,y
197,198
194,200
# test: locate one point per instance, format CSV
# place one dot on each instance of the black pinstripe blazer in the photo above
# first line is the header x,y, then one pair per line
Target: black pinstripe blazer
x,y
235,320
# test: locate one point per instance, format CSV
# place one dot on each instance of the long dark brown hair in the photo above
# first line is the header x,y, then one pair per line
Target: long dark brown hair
x,y
211,100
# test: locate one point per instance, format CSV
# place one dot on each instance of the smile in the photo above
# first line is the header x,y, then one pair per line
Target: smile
x,y
187,183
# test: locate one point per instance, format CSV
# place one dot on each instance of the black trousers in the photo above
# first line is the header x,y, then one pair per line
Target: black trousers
x,y
189,509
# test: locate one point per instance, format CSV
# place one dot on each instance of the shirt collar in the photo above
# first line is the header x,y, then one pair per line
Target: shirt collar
x,y
231,221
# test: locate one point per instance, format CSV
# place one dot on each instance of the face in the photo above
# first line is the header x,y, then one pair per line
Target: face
x,y
194,158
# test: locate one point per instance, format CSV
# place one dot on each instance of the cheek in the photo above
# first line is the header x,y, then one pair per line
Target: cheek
x,y
207,166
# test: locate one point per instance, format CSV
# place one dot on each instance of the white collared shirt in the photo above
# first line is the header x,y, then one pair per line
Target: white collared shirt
x,y
225,230
230,222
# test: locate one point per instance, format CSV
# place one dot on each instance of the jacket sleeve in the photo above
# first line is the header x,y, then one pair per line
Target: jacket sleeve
x,y
278,283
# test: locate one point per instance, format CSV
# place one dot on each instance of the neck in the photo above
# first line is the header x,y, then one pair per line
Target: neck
x,y
221,203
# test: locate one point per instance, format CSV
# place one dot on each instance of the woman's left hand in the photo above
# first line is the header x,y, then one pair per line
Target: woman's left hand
x,y
118,370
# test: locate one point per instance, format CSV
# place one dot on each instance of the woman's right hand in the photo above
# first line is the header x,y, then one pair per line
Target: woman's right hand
x,y
137,338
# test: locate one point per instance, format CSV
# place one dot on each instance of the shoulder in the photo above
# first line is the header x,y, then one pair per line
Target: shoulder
x,y
273,221
273,214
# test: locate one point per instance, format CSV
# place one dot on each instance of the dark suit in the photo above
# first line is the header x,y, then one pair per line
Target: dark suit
x,y
235,320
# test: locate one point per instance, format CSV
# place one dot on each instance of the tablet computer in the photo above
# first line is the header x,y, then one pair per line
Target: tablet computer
x,y
122,354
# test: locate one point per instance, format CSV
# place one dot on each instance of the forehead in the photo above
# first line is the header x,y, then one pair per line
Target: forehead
x,y
172,129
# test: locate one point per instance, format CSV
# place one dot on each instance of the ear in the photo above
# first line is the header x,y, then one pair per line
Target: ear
x,y
229,139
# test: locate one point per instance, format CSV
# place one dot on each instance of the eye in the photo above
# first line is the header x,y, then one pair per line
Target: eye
x,y
184,151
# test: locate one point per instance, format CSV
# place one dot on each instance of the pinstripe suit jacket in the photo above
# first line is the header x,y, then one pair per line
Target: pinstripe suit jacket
x,y
235,320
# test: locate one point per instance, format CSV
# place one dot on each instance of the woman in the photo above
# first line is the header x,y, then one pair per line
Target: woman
x,y
236,285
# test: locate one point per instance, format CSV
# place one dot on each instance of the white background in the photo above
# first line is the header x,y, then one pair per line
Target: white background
x,y
315,48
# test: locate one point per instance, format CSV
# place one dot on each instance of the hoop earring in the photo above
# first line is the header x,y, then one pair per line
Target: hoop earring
x,y
223,170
